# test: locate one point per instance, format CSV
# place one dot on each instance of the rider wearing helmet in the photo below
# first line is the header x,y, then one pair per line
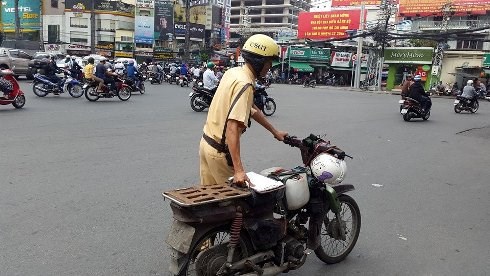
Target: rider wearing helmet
x,y
230,112
469,92
209,79
88,72
417,92
131,71
105,73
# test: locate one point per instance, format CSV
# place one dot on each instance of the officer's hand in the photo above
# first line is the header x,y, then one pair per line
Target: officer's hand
x,y
241,179
280,135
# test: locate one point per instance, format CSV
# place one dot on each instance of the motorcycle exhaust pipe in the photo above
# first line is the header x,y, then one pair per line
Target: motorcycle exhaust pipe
x,y
201,102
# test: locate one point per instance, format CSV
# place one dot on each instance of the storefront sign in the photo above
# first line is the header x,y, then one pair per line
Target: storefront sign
x,y
409,55
101,6
123,54
486,60
29,13
77,47
195,30
104,53
322,25
163,56
349,3
144,4
51,47
435,7
313,54
143,54
108,46
341,59
320,55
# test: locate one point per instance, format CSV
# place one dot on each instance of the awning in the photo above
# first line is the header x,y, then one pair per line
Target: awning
x,y
363,70
301,66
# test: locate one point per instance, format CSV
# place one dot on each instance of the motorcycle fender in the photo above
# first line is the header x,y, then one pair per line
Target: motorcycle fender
x,y
333,199
180,236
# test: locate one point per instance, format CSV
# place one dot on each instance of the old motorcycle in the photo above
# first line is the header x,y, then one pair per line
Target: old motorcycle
x,y
229,230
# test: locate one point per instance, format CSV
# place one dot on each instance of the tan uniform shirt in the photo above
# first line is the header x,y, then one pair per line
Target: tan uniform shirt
x,y
213,166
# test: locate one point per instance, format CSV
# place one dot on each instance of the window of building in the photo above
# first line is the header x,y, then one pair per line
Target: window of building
x,y
79,37
105,38
105,25
469,44
78,22
54,3
141,45
126,38
53,34
125,25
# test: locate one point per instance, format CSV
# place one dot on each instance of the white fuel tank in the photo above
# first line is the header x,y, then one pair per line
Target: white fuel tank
x,y
297,191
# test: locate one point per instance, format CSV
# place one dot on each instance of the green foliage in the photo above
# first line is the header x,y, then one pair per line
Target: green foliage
x,y
415,42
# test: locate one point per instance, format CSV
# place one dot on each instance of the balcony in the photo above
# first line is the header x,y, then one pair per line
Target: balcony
x,y
452,25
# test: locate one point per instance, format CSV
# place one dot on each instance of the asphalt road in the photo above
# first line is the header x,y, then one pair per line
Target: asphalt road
x,y
81,182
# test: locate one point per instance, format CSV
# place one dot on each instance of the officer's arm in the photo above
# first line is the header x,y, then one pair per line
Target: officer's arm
x,y
259,117
233,130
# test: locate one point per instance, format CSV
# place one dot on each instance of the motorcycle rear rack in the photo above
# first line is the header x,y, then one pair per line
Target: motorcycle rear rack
x,y
194,196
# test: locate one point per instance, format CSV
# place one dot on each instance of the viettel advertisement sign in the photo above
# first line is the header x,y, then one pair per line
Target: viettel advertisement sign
x,y
409,55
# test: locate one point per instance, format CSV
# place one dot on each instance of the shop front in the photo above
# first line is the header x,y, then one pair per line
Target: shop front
x,y
303,61
105,49
163,54
78,50
143,56
404,61
342,66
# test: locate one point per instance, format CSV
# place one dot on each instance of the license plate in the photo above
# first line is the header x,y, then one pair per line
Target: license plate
x,y
404,111
401,101
456,101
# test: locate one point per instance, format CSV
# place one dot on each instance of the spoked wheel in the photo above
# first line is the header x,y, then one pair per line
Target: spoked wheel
x,y
313,85
457,108
75,90
475,107
142,88
37,89
269,107
91,94
19,102
195,103
333,247
124,94
426,116
407,117
210,252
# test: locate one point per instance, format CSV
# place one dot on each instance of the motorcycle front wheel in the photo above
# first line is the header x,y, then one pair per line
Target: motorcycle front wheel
x,y
19,102
475,107
124,94
269,107
333,248
142,88
195,105
457,108
75,90
210,251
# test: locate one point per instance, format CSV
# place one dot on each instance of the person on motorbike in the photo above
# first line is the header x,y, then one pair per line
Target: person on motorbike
x,y
469,92
197,73
406,86
417,92
88,72
230,113
119,68
173,70
105,73
210,80
131,72
51,69
184,71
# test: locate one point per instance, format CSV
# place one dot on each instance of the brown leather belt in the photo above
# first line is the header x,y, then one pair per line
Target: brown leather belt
x,y
217,146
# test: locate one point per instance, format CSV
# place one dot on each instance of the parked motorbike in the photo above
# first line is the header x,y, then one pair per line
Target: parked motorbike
x,y
228,230
412,109
42,86
309,83
200,98
92,93
464,104
183,80
262,100
16,97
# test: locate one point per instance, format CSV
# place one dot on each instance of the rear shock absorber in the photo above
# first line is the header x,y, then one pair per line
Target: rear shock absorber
x,y
236,227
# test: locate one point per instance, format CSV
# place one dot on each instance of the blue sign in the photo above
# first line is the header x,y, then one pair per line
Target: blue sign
x,y
144,29
29,13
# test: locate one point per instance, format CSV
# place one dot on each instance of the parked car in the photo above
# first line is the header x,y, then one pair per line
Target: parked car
x,y
15,59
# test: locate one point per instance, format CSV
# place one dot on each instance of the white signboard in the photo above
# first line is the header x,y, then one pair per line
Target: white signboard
x,y
341,59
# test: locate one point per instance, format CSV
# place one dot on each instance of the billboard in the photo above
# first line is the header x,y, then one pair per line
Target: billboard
x,y
196,30
101,6
164,20
197,14
347,3
435,7
145,4
323,25
143,29
29,13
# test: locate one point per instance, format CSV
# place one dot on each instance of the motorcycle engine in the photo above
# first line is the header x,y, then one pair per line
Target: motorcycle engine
x,y
209,262
289,247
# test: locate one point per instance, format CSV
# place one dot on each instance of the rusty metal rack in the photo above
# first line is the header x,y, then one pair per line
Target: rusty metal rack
x,y
205,194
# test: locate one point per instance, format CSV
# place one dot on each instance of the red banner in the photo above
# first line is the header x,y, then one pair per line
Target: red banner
x,y
323,25
348,3
435,7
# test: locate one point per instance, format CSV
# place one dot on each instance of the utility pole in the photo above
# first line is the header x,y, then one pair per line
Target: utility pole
x,y
187,30
437,64
17,20
360,40
92,27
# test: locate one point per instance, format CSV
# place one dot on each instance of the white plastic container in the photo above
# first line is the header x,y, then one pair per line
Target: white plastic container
x,y
297,191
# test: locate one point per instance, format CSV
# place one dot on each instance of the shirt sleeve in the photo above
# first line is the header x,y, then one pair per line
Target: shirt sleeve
x,y
241,110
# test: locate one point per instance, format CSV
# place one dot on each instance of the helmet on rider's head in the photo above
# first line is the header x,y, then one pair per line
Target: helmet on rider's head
x,y
91,60
103,59
328,169
417,78
131,62
211,65
67,56
470,82
259,49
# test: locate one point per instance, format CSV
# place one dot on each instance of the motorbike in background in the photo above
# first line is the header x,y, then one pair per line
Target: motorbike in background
x,y
262,100
464,104
42,86
412,109
183,81
200,98
92,93
155,78
16,97
223,229
309,83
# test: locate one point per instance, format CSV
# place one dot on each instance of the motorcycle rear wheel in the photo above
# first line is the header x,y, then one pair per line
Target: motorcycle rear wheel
x,y
269,107
426,116
195,104
142,88
124,94
210,266
37,90
75,90
457,108
91,94
329,251
407,117
475,107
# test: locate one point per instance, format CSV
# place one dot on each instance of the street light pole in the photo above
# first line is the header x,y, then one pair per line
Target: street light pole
x,y
187,30
92,27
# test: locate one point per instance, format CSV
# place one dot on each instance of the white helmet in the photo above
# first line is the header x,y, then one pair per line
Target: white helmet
x,y
67,56
470,82
328,169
